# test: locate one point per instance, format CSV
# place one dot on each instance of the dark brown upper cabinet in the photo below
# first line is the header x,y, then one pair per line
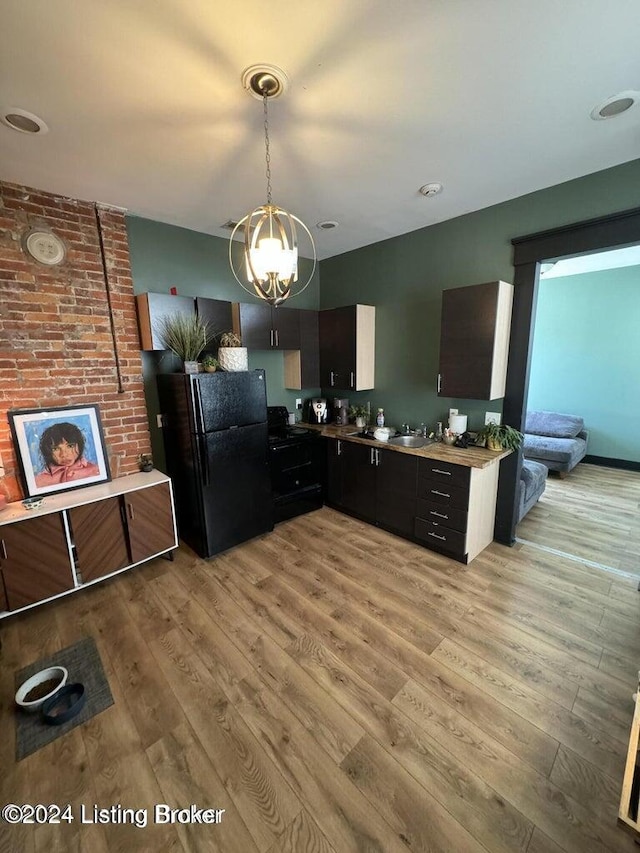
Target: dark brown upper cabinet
x,y
347,348
474,341
218,315
152,307
262,327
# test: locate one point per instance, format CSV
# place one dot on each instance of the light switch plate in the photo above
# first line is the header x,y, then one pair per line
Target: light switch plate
x,y
453,412
298,402
492,418
159,423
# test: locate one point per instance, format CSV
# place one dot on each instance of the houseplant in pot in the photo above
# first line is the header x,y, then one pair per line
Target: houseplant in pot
x,y
232,355
186,336
145,463
360,414
210,364
500,437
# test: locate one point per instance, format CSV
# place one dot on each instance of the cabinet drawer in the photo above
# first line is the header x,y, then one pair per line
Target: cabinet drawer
x,y
443,493
441,537
445,472
451,517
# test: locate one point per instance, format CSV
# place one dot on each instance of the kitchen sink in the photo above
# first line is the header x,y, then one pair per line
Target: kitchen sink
x,y
409,441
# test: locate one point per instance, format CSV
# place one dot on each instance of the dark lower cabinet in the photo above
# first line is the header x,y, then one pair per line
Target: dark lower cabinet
x,y
379,486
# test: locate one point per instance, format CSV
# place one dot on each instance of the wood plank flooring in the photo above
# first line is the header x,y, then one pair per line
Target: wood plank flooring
x,y
592,514
334,688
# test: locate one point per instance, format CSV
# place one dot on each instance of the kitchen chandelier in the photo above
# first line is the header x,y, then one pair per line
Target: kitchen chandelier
x,y
265,262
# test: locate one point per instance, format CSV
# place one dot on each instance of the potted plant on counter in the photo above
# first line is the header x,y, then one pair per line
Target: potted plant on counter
x,y
145,463
186,336
361,414
232,355
500,437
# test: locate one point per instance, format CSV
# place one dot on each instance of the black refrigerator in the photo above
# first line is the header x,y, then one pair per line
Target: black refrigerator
x,y
216,446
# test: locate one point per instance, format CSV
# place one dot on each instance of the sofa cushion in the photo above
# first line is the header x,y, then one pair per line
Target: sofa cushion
x,y
565,450
553,424
533,476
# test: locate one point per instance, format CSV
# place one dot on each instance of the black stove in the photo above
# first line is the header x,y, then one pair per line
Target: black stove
x,y
280,431
295,460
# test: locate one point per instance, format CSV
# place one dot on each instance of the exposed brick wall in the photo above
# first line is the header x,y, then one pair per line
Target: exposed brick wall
x,y
56,344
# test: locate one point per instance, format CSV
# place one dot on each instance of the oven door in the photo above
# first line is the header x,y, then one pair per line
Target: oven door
x,y
295,465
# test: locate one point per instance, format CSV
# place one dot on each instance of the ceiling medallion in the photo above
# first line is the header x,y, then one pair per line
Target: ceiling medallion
x,y
44,247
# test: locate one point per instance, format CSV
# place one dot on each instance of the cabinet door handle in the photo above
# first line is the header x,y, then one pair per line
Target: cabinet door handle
x,y
377,457
270,337
435,536
439,382
331,375
438,471
373,456
339,448
442,494
277,338
130,511
438,514
4,550
351,381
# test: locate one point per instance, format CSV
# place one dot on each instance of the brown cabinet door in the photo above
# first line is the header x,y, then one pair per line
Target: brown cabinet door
x,y
152,308
217,313
150,521
3,596
286,326
309,348
255,325
338,348
99,536
467,335
34,558
396,486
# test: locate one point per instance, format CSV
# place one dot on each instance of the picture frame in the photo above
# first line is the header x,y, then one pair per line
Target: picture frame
x,y
59,448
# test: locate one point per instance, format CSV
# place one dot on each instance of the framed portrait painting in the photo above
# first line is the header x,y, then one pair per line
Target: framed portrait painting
x,y
59,449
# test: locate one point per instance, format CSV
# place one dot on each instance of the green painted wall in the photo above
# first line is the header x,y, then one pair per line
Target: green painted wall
x,y
165,256
586,356
404,277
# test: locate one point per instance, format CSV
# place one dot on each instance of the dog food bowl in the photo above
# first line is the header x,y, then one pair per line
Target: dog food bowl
x,y
40,687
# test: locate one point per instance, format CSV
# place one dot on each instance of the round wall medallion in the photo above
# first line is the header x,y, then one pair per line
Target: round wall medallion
x,y
45,247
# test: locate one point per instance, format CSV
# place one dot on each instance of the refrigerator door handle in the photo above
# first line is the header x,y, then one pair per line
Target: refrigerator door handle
x,y
204,467
198,406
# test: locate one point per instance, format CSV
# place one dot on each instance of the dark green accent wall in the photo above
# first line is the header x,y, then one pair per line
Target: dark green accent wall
x,y
404,277
165,256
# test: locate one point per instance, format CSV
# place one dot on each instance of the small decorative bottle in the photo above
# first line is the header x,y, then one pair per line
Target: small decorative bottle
x,y
439,431
380,418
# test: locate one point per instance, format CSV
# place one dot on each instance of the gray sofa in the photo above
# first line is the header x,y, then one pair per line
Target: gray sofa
x,y
558,441
531,485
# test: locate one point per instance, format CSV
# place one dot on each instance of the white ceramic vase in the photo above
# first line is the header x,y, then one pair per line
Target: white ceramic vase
x,y
233,359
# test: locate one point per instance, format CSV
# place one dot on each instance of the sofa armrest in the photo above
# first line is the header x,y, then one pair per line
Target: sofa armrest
x,y
584,433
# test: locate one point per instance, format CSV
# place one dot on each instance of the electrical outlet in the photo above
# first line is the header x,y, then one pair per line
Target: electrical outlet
x,y
159,422
453,412
298,403
492,418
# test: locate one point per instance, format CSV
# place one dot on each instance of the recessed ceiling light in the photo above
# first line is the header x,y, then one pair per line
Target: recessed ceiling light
x,y
615,105
23,121
431,189
327,224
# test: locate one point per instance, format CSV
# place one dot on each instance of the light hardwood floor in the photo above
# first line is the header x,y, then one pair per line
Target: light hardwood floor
x,y
336,689
592,514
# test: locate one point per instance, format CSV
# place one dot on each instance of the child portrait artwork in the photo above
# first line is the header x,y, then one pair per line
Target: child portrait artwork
x,y
59,449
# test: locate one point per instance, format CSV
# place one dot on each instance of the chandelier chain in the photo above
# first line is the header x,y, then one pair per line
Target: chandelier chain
x,y
266,144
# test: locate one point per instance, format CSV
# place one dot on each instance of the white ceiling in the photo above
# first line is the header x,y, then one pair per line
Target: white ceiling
x,y
146,110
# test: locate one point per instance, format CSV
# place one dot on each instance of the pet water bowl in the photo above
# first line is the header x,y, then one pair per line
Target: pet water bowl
x,y
40,687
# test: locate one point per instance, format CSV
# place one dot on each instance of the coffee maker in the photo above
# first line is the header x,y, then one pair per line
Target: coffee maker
x,y
341,411
318,411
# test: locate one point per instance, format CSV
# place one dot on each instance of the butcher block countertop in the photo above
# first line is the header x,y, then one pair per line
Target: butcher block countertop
x,y
472,457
